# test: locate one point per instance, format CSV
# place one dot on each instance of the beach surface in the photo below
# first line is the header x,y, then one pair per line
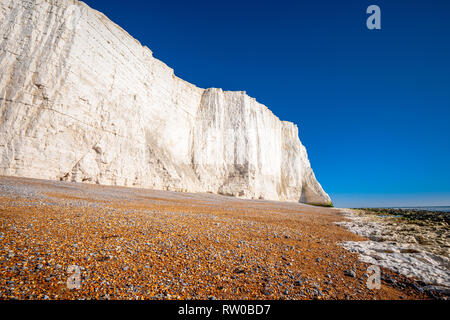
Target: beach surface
x,y
61,240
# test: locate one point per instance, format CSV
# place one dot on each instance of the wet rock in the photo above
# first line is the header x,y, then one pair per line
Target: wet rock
x,y
298,283
388,279
416,287
350,273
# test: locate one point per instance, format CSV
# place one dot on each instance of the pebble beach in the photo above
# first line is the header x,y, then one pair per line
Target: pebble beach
x,y
137,244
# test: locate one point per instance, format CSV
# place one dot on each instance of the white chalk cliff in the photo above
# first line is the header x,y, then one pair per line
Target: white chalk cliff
x,y
81,100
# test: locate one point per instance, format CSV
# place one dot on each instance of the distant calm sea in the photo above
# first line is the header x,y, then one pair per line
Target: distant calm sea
x,y
442,209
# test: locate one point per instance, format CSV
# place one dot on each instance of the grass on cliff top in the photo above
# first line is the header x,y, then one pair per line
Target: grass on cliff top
x,y
330,205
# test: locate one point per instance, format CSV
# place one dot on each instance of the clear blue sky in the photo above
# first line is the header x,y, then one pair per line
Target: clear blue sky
x,y
373,107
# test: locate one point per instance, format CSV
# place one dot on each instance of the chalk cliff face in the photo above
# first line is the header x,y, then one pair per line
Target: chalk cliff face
x,y
81,100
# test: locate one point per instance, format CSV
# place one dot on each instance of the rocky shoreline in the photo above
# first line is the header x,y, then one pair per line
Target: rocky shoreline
x,y
414,243
413,215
